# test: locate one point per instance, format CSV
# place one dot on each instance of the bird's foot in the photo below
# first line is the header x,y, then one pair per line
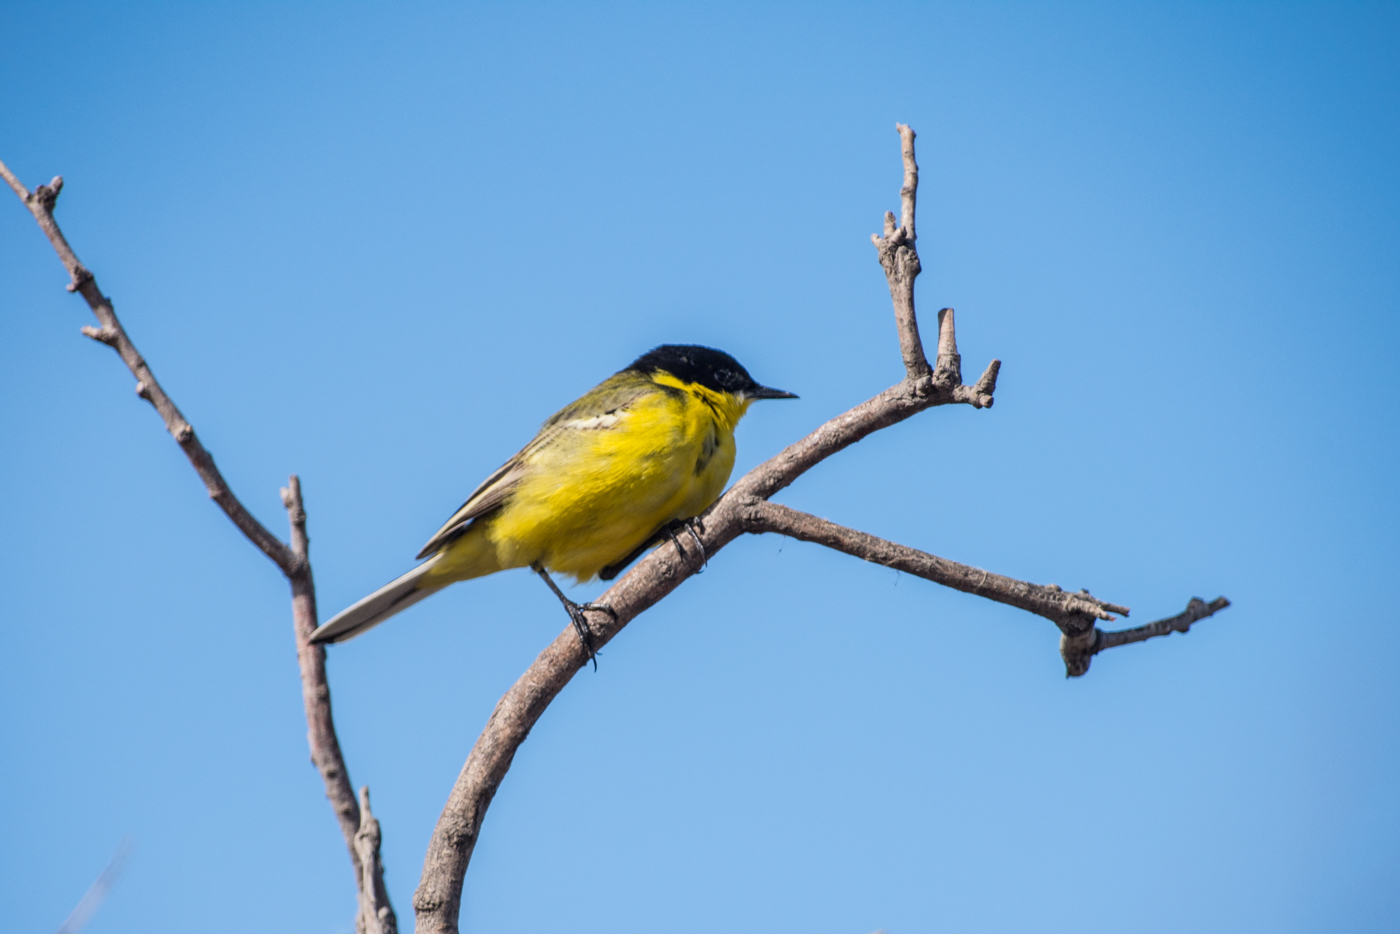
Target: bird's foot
x,y
577,615
692,526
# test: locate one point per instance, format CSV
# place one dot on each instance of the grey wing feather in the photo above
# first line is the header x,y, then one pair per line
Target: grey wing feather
x,y
486,497
613,394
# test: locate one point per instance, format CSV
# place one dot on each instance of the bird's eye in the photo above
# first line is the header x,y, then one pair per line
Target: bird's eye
x,y
722,376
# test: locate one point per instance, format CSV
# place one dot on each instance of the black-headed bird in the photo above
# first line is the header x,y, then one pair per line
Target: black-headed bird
x,y
646,450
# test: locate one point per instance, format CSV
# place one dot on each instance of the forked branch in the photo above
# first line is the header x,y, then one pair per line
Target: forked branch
x,y
1078,650
293,560
901,261
745,509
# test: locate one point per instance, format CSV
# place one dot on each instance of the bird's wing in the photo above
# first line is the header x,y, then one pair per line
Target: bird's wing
x,y
597,409
485,498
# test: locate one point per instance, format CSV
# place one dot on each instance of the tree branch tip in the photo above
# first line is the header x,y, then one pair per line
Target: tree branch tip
x,y
947,333
987,383
103,335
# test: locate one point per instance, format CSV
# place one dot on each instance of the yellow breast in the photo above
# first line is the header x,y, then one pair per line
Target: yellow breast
x,y
609,483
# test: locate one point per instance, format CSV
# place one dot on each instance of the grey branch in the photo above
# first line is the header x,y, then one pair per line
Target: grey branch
x,y
41,204
294,560
745,509
1078,649
1071,612
320,725
1074,613
376,914
901,261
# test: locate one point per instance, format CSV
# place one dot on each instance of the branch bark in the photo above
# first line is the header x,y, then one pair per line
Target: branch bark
x,y
293,560
1071,612
901,261
376,915
1078,650
744,509
321,736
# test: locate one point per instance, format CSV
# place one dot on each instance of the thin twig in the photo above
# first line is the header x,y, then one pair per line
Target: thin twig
x,y
315,688
901,262
376,914
1078,650
1069,611
293,561
41,203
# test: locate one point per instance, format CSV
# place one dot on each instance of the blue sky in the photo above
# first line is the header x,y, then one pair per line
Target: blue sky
x,y
377,246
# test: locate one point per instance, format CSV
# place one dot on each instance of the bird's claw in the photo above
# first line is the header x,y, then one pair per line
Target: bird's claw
x,y
577,616
689,525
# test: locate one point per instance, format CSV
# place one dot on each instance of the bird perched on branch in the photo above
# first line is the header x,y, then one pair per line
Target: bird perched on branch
x,y
606,477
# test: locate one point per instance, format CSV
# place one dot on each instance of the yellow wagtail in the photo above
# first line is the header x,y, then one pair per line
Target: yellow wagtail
x,y
606,477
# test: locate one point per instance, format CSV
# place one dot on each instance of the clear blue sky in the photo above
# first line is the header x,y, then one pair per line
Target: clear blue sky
x,y
378,245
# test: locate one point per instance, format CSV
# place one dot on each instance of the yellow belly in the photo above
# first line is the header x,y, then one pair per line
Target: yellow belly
x,y
593,496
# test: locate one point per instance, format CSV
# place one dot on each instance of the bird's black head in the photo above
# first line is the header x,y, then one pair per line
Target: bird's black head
x,y
713,369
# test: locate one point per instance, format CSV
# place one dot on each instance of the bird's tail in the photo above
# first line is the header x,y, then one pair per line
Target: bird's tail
x,y
397,595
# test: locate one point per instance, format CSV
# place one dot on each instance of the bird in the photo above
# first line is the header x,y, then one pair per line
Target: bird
x,y
630,462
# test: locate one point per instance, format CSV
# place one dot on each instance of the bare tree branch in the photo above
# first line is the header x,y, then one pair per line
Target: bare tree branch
x,y
1074,613
41,204
744,509
1066,610
376,914
438,898
1078,649
293,561
901,262
315,689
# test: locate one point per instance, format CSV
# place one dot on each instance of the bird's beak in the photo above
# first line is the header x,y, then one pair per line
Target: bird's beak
x,y
763,392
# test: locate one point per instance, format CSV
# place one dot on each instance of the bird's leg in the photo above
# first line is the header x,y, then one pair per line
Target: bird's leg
x,y
576,613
